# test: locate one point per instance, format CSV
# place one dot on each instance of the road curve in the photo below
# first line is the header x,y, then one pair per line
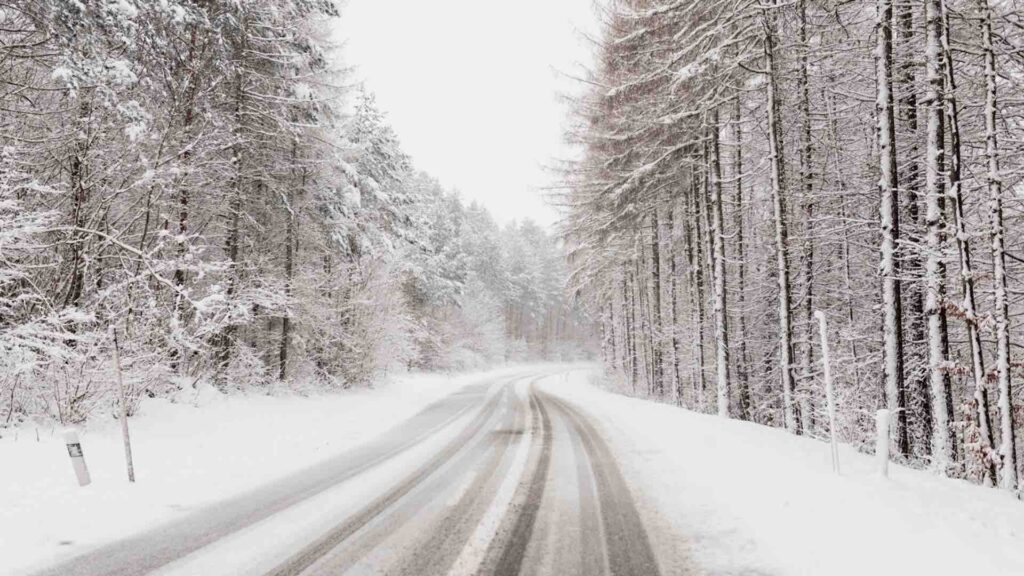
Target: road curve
x,y
513,481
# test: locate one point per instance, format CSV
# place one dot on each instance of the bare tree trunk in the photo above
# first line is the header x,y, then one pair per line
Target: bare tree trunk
x,y
646,329
914,293
1007,441
657,321
672,340
632,332
613,352
781,235
289,266
892,312
676,342
693,239
233,236
742,370
935,238
627,330
807,200
79,197
843,215
967,285
718,255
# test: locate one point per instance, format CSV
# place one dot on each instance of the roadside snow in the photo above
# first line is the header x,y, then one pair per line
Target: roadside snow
x,y
751,500
745,500
206,448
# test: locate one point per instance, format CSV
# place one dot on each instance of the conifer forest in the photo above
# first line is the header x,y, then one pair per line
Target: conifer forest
x,y
750,163
202,185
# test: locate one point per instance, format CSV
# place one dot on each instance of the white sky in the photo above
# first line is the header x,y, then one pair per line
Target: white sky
x,y
472,88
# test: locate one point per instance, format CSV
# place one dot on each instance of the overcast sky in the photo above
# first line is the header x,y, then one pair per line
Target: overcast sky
x,y
472,88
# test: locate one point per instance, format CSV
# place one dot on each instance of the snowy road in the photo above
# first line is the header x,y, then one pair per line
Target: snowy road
x,y
500,478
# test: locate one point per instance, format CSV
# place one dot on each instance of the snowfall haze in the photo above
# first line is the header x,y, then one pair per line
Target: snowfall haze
x,y
472,102
536,288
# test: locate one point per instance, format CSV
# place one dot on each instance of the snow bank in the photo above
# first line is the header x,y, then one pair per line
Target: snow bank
x,y
202,449
752,500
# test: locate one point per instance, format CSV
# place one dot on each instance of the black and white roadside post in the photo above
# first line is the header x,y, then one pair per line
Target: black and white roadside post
x,y
77,458
124,408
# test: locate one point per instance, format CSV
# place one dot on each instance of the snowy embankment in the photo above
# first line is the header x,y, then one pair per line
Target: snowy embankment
x,y
752,500
201,449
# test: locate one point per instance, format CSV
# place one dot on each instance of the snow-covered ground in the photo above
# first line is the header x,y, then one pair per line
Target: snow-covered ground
x,y
752,500
202,449
734,498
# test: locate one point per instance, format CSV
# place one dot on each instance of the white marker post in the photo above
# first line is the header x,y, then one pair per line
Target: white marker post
x,y
77,458
882,442
124,409
830,398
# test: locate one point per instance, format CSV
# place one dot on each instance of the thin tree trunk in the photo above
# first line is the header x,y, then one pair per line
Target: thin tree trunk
x,y
781,235
613,352
916,345
742,370
634,361
935,238
79,198
718,255
967,285
1007,441
629,332
892,312
233,235
693,239
643,300
676,342
843,216
657,322
673,337
289,268
807,193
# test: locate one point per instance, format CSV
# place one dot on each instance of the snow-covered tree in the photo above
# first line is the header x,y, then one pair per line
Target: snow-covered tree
x,y
773,159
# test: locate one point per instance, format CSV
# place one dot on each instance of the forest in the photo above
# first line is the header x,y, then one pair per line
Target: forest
x,y
202,187
748,163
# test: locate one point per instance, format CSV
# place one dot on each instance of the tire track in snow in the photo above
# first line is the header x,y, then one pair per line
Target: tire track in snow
x,y
308,556
146,552
628,547
475,551
592,559
441,551
425,507
510,560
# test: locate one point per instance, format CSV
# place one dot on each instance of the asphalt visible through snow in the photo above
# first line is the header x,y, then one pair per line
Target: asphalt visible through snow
x,y
511,481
